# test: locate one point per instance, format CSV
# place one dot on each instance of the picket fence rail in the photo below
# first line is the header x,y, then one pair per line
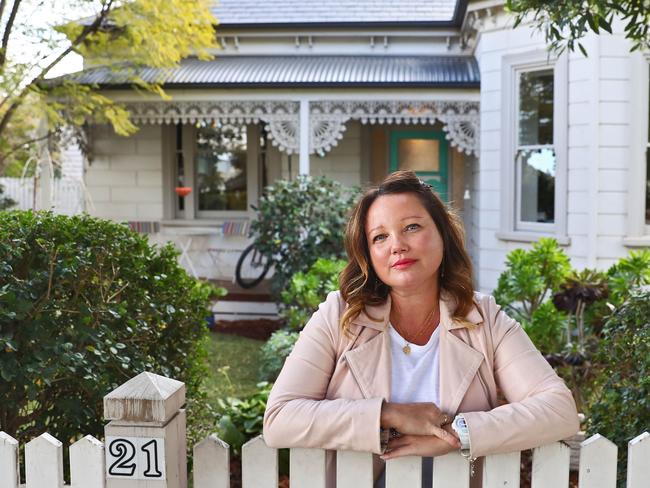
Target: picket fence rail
x,y
145,447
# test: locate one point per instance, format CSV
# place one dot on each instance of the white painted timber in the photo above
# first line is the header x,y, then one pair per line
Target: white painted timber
x,y
307,468
404,471
146,398
212,463
501,470
597,463
551,466
354,469
259,464
9,471
638,460
87,463
450,471
44,462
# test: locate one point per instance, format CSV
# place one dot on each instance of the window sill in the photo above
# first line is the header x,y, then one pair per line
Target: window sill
x,y
531,237
638,241
212,222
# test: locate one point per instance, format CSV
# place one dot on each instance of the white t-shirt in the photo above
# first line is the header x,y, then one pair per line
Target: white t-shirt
x,y
415,376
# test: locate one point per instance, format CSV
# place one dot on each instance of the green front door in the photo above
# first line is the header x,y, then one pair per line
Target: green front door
x,y
423,151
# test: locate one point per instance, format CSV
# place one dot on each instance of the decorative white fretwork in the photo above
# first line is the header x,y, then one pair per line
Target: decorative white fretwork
x,y
328,119
280,117
460,120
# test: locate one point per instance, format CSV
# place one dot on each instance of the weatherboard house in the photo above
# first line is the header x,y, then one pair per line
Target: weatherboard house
x,y
522,142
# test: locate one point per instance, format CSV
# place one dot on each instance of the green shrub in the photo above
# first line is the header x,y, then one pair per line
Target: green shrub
x,y
274,352
298,222
530,279
5,202
85,305
242,419
306,291
620,402
628,273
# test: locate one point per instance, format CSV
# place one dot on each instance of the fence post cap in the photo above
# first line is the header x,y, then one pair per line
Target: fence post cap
x,y
146,398
7,439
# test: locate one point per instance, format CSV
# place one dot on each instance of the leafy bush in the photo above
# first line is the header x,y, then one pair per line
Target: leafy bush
x,y
620,403
306,291
628,273
242,419
530,278
85,305
5,202
274,352
298,222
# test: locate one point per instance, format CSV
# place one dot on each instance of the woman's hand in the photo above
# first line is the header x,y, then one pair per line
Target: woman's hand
x,y
419,445
419,419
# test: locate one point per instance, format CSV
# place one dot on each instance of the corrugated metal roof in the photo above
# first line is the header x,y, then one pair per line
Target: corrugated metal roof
x,y
304,71
261,12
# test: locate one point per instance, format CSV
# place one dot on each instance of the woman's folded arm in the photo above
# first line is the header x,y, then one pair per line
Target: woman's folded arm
x,y
540,407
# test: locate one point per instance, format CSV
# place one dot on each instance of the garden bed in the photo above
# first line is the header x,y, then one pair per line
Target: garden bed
x,y
259,329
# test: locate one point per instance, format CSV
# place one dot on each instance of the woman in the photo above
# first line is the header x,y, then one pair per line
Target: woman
x,y
407,347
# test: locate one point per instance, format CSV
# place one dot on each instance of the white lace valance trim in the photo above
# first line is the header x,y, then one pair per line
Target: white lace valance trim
x,y
328,119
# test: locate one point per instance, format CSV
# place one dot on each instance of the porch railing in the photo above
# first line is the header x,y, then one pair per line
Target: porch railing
x,y
145,446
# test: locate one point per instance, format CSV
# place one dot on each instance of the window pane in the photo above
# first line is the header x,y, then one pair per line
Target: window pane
x,y
536,108
221,167
180,166
537,171
419,154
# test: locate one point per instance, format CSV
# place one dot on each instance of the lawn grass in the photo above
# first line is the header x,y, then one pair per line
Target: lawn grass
x,y
234,363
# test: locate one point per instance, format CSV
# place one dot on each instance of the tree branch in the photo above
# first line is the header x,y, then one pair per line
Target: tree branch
x,y
7,32
86,31
20,145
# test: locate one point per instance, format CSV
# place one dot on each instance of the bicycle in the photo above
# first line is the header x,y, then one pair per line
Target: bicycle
x,y
252,267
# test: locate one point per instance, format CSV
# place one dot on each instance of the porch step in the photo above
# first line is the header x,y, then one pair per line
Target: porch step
x,y
244,310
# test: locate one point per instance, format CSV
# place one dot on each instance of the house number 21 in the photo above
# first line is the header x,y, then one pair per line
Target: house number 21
x,y
139,458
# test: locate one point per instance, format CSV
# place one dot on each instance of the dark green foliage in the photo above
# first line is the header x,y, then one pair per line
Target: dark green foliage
x,y
85,305
5,202
565,23
620,403
274,352
530,278
241,419
306,291
300,221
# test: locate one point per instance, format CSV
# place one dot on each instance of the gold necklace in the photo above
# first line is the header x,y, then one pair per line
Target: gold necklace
x,y
407,347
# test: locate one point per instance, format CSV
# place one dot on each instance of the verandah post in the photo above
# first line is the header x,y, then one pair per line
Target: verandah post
x,y
145,441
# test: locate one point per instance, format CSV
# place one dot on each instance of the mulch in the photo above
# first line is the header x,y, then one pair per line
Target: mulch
x,y
260,329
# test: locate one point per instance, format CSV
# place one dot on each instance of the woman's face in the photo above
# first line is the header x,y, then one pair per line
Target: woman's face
x,y
405,246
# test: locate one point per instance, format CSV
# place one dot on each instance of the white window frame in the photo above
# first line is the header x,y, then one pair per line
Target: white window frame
x,y
190,215
512,66
638,232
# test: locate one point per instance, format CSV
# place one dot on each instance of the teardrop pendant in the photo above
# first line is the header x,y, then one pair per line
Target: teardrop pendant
x,y
407,349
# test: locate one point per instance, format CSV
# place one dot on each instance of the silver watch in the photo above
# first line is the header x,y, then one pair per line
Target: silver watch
x,y
460,427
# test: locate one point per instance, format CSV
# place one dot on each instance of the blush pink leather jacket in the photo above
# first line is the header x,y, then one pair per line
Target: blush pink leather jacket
x,y
331,388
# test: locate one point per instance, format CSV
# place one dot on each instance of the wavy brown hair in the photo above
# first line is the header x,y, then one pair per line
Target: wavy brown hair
x,y
360,285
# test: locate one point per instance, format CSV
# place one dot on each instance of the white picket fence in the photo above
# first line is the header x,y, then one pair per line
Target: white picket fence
x,y
67,195
145,412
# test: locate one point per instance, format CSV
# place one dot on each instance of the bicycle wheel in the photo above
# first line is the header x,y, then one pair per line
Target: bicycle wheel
x,y
252,267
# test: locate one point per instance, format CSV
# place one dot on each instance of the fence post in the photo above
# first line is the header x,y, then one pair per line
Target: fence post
x,y
146,441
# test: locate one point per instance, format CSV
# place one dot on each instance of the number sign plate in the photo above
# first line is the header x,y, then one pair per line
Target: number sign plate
x,y
136,458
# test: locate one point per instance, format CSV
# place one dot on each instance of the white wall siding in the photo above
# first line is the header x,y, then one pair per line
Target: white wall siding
x,y
125,178
343,162
599,123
